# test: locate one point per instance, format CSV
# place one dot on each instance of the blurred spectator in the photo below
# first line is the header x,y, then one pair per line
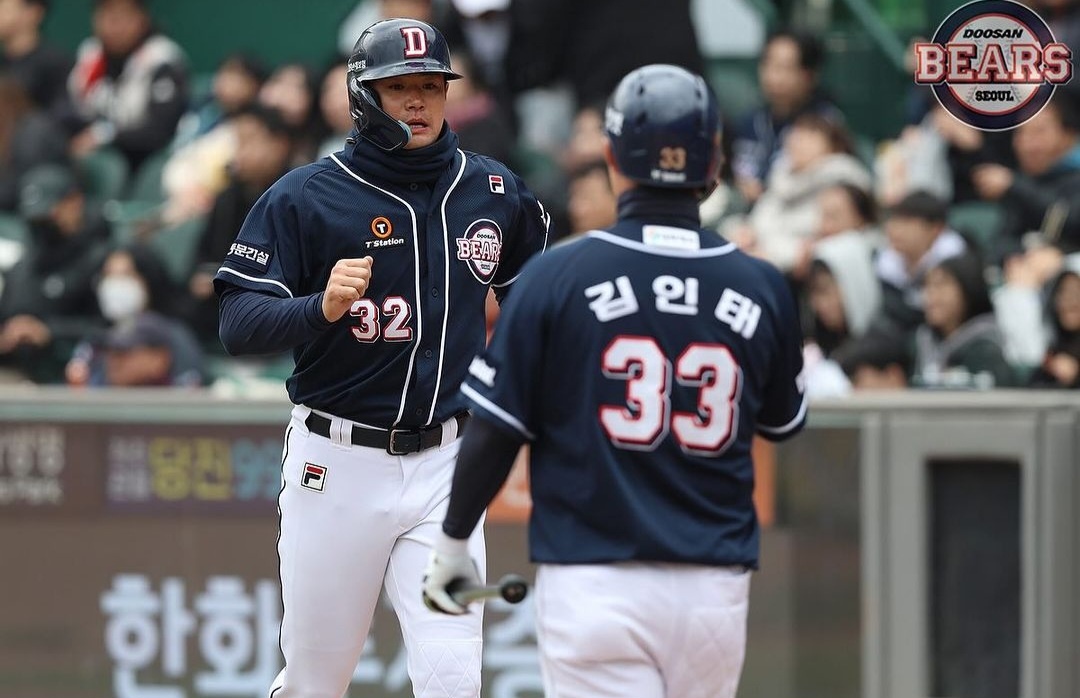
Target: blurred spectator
x,y
1019,300
334,105
818,154
845,207
27,138
48,300
41,69
367,12
147,350
129,86
592,45
264,146
918,239
485,26
205,143
959,345
1063,16
591,203
844,296
1060,367
474,115
1044,196
789,72
293,90
938,155
235,86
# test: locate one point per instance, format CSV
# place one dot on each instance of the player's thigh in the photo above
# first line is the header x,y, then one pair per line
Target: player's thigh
x,y
594,640
335,539
705,658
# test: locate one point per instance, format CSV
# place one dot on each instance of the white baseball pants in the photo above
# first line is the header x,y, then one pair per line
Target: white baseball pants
x,y
641,630
358,522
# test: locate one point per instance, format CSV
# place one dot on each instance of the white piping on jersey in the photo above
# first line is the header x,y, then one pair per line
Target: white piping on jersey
x,y
497,411
796,420
662,252
546,217
446,291
416,262
256,279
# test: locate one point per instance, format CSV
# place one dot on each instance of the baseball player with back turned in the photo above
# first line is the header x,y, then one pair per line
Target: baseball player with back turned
x,y
373,265
639,361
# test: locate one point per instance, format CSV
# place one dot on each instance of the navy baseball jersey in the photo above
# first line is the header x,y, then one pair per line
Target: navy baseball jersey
x,y
438,240
657,353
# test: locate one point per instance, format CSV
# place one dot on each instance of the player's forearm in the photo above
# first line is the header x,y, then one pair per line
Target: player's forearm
x,y
256,323
487,453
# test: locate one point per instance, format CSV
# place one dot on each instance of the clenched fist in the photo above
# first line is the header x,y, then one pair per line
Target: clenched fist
x,y
348,281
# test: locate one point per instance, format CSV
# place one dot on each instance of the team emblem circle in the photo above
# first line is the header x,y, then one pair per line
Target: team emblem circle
x,y
382,227
480,248
993,64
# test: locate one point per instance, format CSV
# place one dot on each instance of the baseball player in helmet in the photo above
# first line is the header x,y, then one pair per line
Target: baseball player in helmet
x,y
639,361
372,265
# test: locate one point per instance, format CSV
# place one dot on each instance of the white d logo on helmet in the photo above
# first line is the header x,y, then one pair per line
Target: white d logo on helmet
x,y
415,42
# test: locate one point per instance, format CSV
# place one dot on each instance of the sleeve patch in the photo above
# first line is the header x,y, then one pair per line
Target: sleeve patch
x,y
249,255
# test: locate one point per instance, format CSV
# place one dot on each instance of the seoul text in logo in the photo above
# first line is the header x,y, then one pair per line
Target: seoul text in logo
x,y
993,64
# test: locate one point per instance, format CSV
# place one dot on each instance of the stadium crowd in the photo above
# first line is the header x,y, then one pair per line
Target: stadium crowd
x,y
944,257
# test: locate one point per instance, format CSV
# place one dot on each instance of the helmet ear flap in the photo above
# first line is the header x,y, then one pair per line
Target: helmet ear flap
x,y
371,122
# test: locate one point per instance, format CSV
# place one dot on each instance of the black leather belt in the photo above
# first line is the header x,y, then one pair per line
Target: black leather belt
x,y
396,442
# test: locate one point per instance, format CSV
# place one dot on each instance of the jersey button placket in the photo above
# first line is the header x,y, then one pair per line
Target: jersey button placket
x,y
412,187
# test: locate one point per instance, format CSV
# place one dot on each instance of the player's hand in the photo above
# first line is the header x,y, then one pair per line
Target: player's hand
x,y
449,563
348,281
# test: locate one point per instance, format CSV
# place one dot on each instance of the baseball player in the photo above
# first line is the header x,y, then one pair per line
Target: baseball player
x,y
373,265
639,361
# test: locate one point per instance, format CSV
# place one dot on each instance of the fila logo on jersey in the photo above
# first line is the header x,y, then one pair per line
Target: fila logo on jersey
x,y
496,183
480,248
383,229
415,42
314,477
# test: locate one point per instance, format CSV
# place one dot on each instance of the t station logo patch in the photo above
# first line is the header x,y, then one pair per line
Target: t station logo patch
x,y
993,64
480,249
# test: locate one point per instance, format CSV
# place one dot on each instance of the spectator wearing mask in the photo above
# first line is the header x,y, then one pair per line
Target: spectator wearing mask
x,y
264,147
27,138
473,113
129,86
818,154
789,75
48,301
1044,195
41,69
1060,366
133,284
959,345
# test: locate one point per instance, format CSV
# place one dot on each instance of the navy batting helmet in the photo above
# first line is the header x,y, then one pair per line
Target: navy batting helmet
x,y
664,126
386,49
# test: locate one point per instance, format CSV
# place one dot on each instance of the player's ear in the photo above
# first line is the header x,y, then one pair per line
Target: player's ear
x,y
609,155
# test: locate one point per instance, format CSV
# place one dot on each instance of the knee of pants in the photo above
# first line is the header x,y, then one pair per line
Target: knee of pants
x,y
446,669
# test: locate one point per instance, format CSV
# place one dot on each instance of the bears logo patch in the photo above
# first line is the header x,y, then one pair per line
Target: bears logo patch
x,y
480,249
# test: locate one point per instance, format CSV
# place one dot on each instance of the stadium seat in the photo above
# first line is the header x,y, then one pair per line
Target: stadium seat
x,y
13,228
176,245
104,173
146,185
980,220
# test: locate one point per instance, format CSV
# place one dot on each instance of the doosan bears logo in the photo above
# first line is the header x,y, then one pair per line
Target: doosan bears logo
x,y
993,64
480,249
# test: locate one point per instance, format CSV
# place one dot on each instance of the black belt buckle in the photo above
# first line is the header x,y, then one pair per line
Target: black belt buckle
x,y
403,442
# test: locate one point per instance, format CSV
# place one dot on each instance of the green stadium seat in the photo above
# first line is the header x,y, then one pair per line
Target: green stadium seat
x,y
13,228
980,220
104,173
146,185
735,84
176,245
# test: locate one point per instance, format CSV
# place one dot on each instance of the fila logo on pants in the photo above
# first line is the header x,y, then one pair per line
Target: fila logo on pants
x,y
314,477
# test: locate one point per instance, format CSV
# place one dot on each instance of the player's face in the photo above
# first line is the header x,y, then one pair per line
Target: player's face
x,y
838,213
943,301
418,100
826,302
1067,303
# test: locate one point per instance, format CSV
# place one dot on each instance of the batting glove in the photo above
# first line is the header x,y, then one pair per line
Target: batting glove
x,y
449,564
